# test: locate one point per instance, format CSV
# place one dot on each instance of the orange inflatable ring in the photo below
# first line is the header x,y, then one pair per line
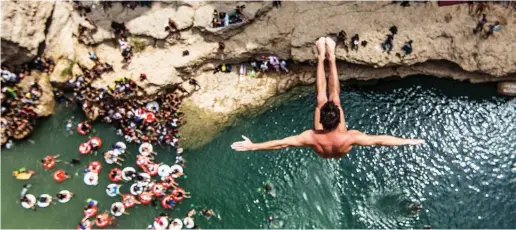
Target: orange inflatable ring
x,y
117,177
151,169
95,142
82,132
95,166
142,161
59,176
168,182
165,200
84,148
51,164
90,211
102,220
128,200
150,117
145,197
158,189
178,197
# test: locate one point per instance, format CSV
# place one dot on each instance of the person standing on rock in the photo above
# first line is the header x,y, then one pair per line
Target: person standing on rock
x,y
329,138
480,24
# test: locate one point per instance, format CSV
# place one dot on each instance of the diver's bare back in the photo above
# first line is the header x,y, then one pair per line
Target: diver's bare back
x,y
329,138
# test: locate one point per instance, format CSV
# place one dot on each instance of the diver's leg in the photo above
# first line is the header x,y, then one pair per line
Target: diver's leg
x,y
333,81
320,84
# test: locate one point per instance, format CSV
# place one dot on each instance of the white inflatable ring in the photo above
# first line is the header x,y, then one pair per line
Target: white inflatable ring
x,y
118,152
121,209
174,168
112,190
188,222
121,145
91,178
125,170
109,160
31,203
176,224
149,147
68,195
164,170
138,191
45,204
164,225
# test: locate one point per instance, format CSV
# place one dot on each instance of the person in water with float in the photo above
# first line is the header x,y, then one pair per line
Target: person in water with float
x,y
49,162
179,194
84,128
90,209
23,174
64,196
103,220
60,176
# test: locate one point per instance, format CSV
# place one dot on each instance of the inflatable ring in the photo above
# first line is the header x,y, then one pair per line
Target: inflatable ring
x,y
91,178
82,132
67,194
84,148
146,148
158,189
121,209
145,197
142,161
112,190
102,220
177,168
90,211
59,176
115,175
188,222
126,170
176,194
149,117
86,225
136,189
46,203
121,145
95,142
168,182
95,167
176,224
164,222
163,170
108,159
51,164
118,152
165,202
151,169
128,200
30,203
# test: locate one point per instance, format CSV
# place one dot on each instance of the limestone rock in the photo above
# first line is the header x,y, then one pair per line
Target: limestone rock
x,y
46,101
153,23
60,42
23,29
62,72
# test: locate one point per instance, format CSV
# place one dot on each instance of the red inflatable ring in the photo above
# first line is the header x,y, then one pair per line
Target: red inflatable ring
x,y
176,194
102,220
84,148
95,166
51,162
95,142
115,175
84,132
158,189
168,182
151,169
145,197
142,161
128,200
150,117
90,211
59,176
165,200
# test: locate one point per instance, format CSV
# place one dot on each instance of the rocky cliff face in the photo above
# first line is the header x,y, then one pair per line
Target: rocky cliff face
x,y
443,42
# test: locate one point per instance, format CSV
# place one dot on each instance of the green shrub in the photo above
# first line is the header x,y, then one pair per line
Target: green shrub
x,y
138,44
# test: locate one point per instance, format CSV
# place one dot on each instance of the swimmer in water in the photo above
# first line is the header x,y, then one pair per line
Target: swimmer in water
x,y
269,189
207,213
329,138
26,199
69,126
73,162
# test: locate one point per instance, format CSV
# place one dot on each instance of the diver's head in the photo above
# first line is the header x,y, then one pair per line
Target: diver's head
x,y
330,116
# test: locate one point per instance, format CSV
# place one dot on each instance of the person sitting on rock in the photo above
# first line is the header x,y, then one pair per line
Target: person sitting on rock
x,y
387,44
407,48
354,42
480,24
283,65
341,38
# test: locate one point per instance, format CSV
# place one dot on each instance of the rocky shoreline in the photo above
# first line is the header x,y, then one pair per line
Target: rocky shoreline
x,y
444,46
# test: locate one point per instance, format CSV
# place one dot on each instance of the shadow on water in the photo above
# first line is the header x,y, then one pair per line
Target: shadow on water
x,y
463,175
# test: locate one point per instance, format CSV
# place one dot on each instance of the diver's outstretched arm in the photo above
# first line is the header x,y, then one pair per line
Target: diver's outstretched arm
x,y
320,82
292,141
385,140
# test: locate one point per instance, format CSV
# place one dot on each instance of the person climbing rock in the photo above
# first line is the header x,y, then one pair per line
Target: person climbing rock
x,y
143,77
354,42
222,46
480,24
407,48
341,39
329,138
387,44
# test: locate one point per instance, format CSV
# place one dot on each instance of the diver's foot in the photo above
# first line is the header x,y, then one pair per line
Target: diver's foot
x,y
321,49
330,49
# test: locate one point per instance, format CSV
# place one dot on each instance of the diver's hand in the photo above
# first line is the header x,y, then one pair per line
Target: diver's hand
x,y
245,145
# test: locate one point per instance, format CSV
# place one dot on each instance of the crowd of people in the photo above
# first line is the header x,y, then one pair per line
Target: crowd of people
x,y
18,105
222,19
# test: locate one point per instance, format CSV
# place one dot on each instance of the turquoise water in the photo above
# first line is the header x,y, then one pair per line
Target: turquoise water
x,y
464,175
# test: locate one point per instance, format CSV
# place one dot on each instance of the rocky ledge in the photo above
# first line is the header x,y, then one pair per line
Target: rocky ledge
x,y
443,46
